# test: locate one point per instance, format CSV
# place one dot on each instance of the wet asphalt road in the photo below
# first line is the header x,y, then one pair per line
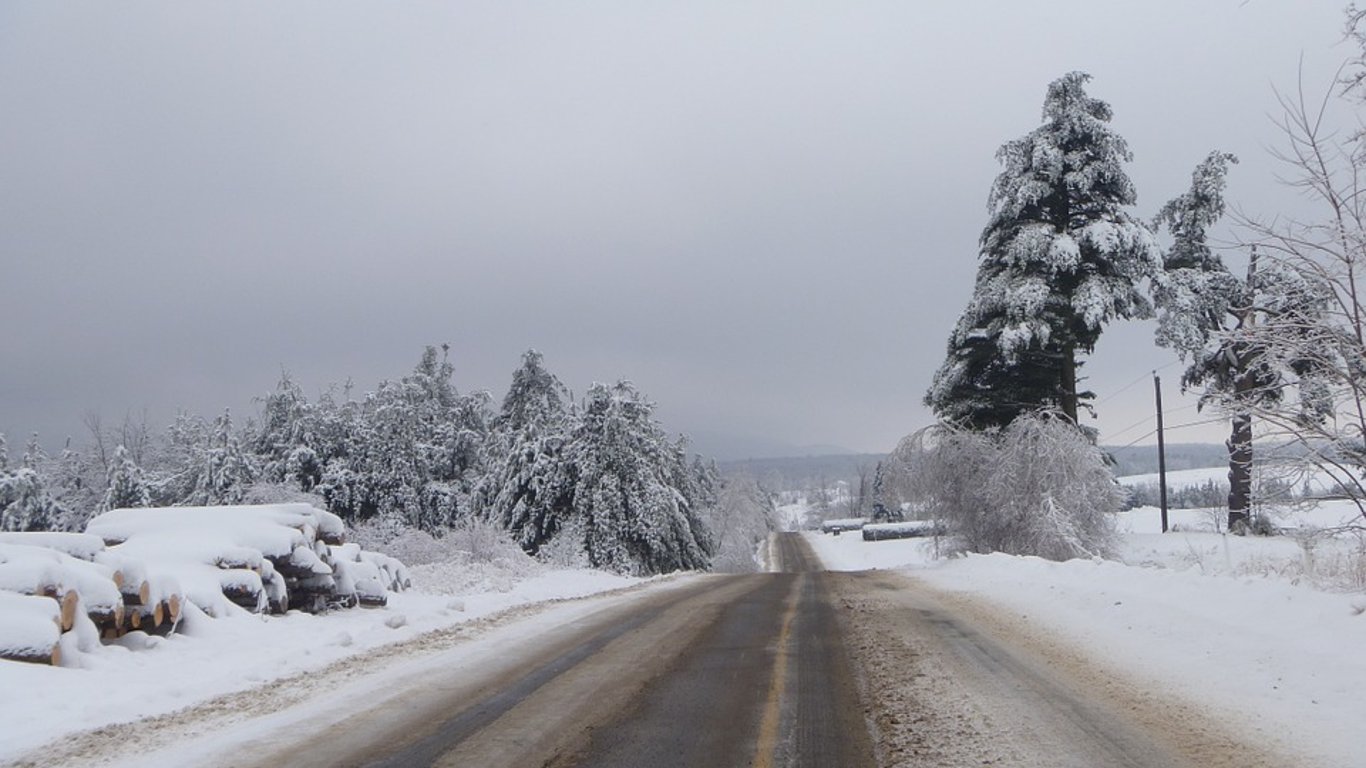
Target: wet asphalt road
x,y
740,670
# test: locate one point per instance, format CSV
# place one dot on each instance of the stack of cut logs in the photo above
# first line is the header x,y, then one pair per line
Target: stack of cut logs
x,y
56,585
137,570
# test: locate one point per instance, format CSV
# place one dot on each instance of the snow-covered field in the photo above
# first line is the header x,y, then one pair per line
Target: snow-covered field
x,y
1254,630
238,653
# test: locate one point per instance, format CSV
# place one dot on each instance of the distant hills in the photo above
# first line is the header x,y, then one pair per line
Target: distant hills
x,y
1142,459
782,473
729,448
794,473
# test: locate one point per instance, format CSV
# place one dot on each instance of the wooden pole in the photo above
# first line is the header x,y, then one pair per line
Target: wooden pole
x,y
1161,452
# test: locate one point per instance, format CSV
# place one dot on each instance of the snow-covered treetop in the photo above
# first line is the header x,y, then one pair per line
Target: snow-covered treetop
x,y
1195,292
1060,253
1189,216
1069,167
534,397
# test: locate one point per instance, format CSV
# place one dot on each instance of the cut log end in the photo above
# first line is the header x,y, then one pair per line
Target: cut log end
x,y
70,602
172,609
52,656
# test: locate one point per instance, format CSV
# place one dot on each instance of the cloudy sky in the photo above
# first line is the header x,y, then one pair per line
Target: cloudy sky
x,y
765,214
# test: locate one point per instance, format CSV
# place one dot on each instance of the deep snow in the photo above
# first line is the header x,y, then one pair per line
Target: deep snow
x,y
148,676
1235,625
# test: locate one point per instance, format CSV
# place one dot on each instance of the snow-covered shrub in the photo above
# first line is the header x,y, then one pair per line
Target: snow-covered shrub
x,y
410,545
741,519
1037,487
483,542
566,550
1260,525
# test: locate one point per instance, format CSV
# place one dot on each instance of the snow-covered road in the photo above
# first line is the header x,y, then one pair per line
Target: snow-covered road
x,y
906,661
699,670
1187,633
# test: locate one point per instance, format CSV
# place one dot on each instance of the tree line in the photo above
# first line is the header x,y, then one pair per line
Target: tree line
x,y
599,474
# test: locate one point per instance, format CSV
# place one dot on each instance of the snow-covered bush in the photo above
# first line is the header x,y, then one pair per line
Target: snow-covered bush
x,y
483,542
1037,487
743,516
411,545
470,541
566,550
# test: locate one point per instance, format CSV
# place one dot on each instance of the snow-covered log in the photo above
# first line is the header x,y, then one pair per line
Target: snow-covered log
x,y
146,618
361,581
302,563
243,588
31,628
38,571
277,593
82,546
908,530
843,524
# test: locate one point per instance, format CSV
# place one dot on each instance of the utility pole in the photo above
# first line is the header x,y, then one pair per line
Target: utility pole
x,y
1161,452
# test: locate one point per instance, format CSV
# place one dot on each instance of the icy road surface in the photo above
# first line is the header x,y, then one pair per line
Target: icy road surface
x,y
800,667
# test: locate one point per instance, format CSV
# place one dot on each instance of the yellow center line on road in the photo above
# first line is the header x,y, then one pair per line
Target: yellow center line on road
x,y
768,727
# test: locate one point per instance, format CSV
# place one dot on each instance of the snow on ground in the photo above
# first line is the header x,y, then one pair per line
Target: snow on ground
x,y
226,655
1235,624
1180,478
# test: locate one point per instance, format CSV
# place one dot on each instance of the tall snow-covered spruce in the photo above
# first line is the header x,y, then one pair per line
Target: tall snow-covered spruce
x,y
1061,256
529,486
633,510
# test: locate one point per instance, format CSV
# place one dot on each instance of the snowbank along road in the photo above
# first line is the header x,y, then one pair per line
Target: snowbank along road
x,y
796,668
949,680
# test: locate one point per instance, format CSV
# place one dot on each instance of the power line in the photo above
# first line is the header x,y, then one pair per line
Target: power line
x,y
1149,419
1135,425
1141,378
1175,426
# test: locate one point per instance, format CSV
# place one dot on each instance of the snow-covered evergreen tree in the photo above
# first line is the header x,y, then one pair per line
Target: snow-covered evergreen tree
x,y
77,486
1203,309
634,517
34,455
126,485
218,469
25,502
413,450
286,444
529,487
1061,256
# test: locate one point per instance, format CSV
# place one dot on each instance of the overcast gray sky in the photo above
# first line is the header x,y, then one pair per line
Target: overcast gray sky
x,y
765,214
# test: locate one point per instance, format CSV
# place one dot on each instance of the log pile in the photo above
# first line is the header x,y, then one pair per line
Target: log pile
x,y
93,593
267,558
137,570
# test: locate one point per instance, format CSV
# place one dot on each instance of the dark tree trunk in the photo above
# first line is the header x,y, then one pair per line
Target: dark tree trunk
x,y
1068,383
1240,473
1240,441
